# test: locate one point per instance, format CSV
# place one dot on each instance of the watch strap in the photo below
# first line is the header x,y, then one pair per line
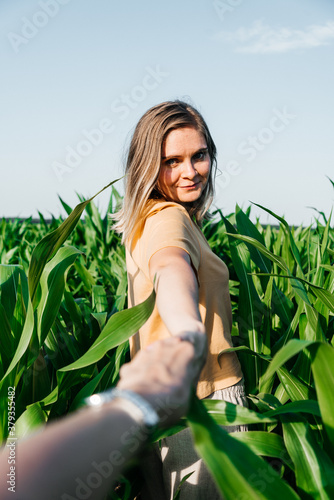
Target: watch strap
x,y
139,408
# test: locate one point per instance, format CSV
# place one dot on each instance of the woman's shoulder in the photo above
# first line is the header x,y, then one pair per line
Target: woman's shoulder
x,y
161,219
160,206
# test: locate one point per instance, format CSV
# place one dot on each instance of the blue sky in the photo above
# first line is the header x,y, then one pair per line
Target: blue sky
x,y
77,76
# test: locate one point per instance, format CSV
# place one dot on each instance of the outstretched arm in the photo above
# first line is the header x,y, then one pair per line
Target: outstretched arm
x,y
86,451
177,298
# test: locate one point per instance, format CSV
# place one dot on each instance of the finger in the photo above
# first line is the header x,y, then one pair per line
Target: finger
x,y
168,361
166,345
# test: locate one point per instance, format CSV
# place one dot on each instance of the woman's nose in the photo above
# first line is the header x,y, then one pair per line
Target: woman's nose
x,y
188,169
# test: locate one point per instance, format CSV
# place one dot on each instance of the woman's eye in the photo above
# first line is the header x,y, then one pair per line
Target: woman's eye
x,y
200,155
171,162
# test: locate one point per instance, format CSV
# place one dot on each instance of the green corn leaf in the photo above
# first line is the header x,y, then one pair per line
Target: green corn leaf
x,y
66,207
25,340
282,305
303,364
235,468
322,369
292,348
95,218
314,469
7,340
52,289
85,276
265,444
294,248
250,308
50,398
246,350
77,318
325,239
313,317
179,488
9,283
297,285
267,253
100,303
328,268
120,327
330,180
225,413
120,356
98,321
33,418
51,243
324,295
308,406
295,388
246,227
40,379
54,351
162,433
264,401
88,389
20,311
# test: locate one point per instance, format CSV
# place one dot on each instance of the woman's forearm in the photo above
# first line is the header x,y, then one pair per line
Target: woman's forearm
x,y
177,296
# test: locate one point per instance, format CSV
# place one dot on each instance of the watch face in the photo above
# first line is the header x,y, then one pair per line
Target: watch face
x,y
95,400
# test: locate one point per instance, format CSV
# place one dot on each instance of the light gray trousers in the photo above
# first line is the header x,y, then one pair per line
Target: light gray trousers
x,y
179,458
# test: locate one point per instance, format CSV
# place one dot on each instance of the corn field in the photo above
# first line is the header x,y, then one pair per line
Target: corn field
x,y
65,327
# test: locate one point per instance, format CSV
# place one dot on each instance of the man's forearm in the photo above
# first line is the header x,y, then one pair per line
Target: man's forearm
x,y
81,455
76,455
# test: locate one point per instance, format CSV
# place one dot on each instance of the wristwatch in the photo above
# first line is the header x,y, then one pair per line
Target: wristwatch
x,y
135,405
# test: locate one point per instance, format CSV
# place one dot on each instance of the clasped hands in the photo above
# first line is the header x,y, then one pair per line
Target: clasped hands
x,y
165,373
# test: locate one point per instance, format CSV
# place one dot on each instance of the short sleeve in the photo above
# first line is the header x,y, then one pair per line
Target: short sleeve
x,y
170,227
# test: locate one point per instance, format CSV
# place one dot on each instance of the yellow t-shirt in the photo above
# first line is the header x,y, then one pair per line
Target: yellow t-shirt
x,y
168,224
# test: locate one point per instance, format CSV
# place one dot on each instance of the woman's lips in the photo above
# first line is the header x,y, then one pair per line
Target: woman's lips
x,y
192,186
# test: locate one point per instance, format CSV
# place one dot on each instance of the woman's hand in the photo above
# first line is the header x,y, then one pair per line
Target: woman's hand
x,y
199,340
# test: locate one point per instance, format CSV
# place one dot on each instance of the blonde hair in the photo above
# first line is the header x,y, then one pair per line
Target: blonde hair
x,y
144,162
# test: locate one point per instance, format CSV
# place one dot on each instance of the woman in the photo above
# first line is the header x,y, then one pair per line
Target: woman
x,y
169,187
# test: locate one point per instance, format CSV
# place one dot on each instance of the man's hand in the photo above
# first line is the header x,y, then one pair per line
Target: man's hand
x,y
164,374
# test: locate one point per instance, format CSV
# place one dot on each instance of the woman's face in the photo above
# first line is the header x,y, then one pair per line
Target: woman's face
x,y
185,165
